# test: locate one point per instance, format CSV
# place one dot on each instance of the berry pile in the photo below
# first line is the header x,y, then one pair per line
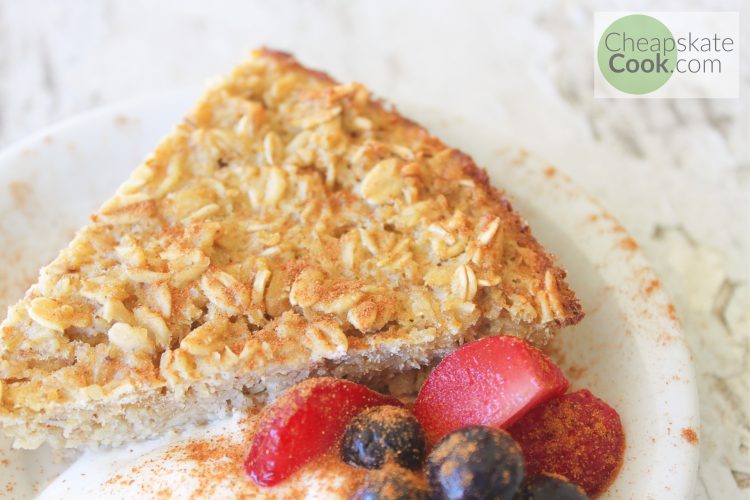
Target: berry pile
x,y
494,416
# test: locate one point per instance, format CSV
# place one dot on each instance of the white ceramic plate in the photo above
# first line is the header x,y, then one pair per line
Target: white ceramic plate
x,y
629,349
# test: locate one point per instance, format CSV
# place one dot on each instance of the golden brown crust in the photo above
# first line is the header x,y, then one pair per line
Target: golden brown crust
x,y
289,225
569,302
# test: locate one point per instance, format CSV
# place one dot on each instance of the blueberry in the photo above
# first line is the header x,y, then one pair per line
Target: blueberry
x,y
550,487
475,463
392,483
384,433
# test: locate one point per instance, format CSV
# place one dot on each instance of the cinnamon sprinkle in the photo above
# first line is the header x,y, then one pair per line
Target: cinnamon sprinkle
x,y
689,435
652,285
629,244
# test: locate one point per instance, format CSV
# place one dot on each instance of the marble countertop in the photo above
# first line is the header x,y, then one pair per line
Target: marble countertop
x,y
675,172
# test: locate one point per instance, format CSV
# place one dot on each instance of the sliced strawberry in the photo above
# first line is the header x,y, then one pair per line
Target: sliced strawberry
x,y
577,435
304,423
492,381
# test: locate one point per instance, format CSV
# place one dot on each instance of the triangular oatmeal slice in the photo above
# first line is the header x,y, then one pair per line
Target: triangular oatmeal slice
x,y
290,226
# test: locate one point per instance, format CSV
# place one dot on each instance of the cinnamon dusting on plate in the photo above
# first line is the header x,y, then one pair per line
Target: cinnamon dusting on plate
x,y
689,435
652,285
629,244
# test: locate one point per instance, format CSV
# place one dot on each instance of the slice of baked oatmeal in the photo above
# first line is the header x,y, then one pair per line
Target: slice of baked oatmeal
x,y
290,226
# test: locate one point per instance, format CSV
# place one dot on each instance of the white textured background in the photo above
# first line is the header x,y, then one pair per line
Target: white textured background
x,y
675,172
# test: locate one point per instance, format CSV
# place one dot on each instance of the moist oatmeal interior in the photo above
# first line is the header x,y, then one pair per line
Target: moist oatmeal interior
x,y
290,226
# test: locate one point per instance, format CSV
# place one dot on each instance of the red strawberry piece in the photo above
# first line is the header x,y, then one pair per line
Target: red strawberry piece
x,y
577,435
303,423
492,381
